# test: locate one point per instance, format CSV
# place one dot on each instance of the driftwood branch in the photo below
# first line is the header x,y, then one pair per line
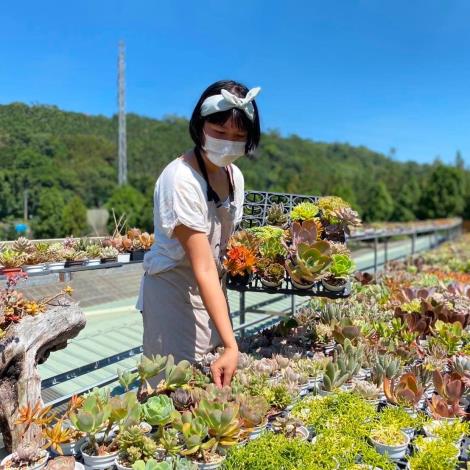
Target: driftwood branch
x,y
26,345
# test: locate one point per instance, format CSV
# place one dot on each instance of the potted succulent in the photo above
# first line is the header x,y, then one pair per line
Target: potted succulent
x,y
11,261
141,242
339,270
240,263
390,441
109,254
369,391
134,445
93,251
34,258
64,439
26,458
304,212
56,257
273,275
399,418
437,454
276,215
74,258
406,391
290,427
305,267
253,411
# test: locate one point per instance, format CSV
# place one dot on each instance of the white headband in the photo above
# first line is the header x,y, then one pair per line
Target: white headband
x,y
227,100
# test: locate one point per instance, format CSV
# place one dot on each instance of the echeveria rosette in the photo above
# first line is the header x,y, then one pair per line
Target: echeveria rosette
x,y
305,211
341,265
158,411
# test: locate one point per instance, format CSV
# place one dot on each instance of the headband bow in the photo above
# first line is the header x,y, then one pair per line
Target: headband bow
x,y
226,100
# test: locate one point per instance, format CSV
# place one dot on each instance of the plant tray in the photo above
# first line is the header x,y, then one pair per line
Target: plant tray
x,y
257,204
287,288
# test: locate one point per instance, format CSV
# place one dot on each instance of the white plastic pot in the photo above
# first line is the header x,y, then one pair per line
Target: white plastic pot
x,y
302,433
271,284
98,461
257,432
93,262
210,466
124,257
410,432
301,286
394,452
333,288
121,467
37,466
72,448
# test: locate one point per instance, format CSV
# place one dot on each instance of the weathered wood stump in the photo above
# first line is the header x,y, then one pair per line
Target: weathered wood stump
x,y
26,345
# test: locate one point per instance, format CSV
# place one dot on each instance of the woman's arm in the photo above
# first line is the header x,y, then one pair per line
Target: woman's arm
x,y
199,253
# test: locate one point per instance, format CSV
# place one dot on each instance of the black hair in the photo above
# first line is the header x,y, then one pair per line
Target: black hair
x,y
240,119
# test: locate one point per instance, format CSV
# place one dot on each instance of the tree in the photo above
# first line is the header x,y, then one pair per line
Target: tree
x,y
407,201
47,223
129,202
74,221
380,204
444,193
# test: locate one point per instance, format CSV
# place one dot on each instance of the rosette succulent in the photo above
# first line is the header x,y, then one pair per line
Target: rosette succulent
x,y
158,411
341,265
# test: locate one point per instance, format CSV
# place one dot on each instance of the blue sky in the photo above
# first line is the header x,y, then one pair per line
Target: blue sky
x,y
370,72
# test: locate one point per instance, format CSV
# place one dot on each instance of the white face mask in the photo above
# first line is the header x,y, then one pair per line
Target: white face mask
x,y
223,152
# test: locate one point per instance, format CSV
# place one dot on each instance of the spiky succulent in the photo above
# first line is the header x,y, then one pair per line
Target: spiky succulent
x,y
276,215
23,245
305,211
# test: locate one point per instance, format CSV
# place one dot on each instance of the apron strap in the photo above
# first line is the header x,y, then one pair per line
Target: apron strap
x,y
211,194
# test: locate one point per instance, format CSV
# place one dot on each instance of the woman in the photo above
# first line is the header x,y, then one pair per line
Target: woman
x,y
198,201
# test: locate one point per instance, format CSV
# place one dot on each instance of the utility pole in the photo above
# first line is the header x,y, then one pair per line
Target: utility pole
x,y
122,143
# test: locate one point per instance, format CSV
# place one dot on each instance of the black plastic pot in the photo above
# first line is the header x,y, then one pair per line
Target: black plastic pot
x,y
70,263
241,280
137,255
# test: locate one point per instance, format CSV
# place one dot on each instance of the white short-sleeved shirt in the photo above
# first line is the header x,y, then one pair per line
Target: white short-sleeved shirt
x,y
180,198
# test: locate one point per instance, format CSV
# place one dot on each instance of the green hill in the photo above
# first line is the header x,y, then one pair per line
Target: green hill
x,y
67,161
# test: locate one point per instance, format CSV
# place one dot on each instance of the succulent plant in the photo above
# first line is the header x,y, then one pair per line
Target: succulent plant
x,y
127,378
94,251
367,390
149,367
71,254
287,425
240,261
329,206
194,431
176,375
461,366
11,259
135,445
306,233
109,252
151,464
386,366
23,245
25,456
158,410
407,391
347,217
275,272
331,314
309,262
182,399
305,211
272,249
170,440
276,215
450,387
341,265
253,410
346,329
334,377
213,393
222,420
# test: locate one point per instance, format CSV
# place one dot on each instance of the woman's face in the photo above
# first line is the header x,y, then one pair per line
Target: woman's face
x,y
227,131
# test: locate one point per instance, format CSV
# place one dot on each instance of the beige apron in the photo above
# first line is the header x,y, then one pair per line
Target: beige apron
x,y
175,319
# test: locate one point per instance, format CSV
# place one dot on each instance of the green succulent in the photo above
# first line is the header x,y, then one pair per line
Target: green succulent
x,y
305,211
152,464
127,378
150,367
276,215
309,261
135,445
341,265
176,375
385,366
170,441
194,431
334,377
253,410
158,410
222,422
11,259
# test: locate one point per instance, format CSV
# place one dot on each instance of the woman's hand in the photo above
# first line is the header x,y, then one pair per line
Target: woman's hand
x,y
224,368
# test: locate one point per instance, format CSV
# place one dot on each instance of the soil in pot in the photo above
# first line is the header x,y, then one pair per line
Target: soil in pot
x,y
97,461
40,464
